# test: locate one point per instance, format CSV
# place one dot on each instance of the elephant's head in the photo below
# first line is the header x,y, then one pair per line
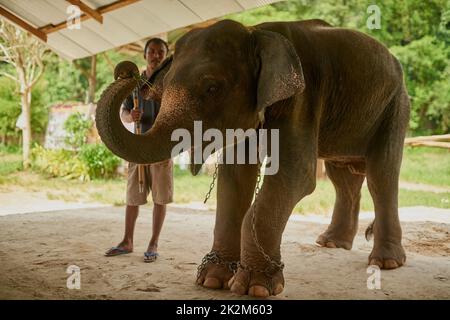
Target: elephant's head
x,y
225,75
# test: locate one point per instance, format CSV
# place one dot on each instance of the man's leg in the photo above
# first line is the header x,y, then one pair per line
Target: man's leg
x,y
131,214
161,184
134,198
159,213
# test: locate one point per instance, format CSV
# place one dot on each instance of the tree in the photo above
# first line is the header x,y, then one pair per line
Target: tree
x,y
25,53
88,68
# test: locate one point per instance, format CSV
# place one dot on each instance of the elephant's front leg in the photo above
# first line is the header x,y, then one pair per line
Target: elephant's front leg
x,y
235,188
260,272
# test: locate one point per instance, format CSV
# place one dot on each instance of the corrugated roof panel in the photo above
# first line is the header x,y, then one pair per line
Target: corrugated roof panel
x,y
66,46
248,4
207,9
136,18
87,40
172,12
94,4
118,31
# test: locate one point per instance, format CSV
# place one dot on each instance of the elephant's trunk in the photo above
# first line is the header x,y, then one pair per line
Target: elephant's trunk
x,y
153,146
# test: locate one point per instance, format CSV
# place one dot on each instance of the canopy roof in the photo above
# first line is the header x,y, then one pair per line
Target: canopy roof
x,y
107,24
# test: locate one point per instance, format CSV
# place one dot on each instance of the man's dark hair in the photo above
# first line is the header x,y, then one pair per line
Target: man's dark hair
x,y
157,41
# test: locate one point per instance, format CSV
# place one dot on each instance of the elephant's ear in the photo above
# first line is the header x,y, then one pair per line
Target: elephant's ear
x,y
280,73
156,81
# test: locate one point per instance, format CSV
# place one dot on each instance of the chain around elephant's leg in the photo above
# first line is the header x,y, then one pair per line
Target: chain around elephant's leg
x,y
235,187
260,271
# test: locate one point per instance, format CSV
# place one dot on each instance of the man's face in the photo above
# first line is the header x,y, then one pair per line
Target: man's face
x,y
155,54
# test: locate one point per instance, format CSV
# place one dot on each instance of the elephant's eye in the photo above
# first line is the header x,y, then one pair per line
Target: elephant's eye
x,y
212,89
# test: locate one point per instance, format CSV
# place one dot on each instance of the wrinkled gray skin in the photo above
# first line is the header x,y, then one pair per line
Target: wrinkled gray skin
x,y
333,93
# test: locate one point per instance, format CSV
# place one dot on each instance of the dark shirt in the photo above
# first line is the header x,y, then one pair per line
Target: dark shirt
x,y
149,107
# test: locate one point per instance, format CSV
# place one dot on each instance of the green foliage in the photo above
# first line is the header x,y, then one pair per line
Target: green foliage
x,y
101,162
77,129
63,81
39,110
10,149
10,159
10,109
93,161
427,72
58,163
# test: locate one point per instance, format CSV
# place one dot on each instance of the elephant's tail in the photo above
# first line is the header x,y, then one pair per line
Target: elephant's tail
x,y
369,231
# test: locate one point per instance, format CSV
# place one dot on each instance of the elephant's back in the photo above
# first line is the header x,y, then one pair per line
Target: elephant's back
x,y
350,77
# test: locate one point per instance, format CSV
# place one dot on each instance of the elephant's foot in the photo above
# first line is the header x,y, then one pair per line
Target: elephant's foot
x,y
256,283
336,239
387,255
215,271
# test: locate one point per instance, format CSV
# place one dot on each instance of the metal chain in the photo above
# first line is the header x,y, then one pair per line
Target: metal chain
x,y
274,266
211,186
213,257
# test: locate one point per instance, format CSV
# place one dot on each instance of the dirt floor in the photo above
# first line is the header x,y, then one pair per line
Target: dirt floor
x,y
37,248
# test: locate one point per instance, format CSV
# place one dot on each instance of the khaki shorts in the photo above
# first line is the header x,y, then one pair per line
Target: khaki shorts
x,y
158,177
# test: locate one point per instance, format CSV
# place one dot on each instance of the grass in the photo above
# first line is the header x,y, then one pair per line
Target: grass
x,y
426,165
420,165
321,201
11,160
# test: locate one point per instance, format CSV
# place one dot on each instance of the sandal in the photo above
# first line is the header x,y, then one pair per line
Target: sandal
x,y
150,256
116,251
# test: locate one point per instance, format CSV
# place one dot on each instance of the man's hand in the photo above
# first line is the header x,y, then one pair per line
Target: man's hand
x,y
136,115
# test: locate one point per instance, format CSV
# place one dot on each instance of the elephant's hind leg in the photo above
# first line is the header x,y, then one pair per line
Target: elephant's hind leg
x,y
383,169
344,223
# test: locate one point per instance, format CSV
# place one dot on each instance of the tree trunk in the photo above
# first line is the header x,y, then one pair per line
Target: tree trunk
x,y
25,98
26,131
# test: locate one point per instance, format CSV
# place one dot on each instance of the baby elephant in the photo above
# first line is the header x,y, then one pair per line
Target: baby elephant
x,y
332,93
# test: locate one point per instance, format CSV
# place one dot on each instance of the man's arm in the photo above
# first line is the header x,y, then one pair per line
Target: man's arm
x,y
127,113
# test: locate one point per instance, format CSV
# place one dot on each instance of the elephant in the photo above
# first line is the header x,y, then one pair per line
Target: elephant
x,y
333,93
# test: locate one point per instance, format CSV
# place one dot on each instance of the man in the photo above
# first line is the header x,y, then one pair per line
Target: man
x,y
158,177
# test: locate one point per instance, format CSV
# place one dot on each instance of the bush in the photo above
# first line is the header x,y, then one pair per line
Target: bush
x,y
59,163
101,162
10,149
93,161
77,129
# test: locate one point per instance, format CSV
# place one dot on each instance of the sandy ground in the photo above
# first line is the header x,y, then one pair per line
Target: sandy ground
x,y
37,248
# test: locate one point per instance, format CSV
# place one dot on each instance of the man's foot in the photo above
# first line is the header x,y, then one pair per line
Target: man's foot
x,y
122,248
151,254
